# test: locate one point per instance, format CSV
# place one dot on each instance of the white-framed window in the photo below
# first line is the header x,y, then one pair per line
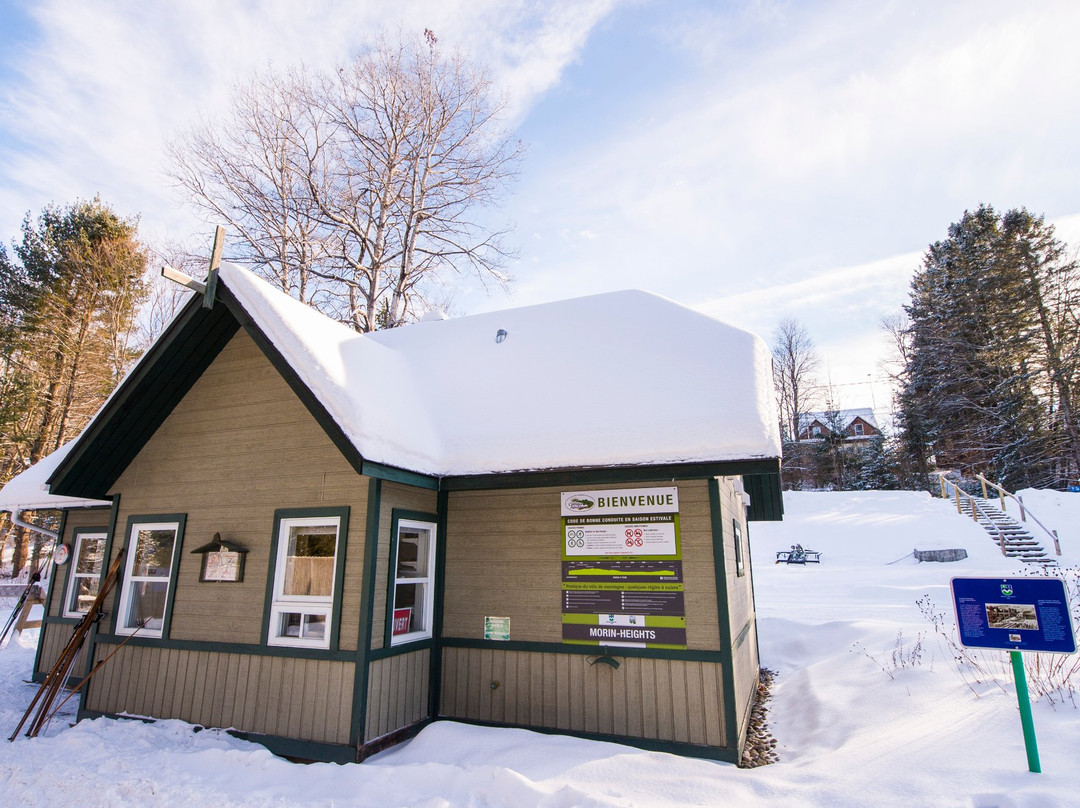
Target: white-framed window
x,y
858,428
84,574
148,572
302,605
414,581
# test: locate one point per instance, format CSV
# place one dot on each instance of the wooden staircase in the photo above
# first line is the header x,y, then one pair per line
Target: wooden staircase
x,y
1014,539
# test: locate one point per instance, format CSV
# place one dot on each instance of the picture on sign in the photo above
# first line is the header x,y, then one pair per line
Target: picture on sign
x,y
222,566
622,576
1012,616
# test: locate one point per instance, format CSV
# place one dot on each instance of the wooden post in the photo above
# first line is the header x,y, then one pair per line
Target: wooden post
x,y
944,493
958,508
982,482
1023,515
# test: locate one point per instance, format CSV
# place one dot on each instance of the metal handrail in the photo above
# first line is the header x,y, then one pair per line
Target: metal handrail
x,y
1024,510
975,508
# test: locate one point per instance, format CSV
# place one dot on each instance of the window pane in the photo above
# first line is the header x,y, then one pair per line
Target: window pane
x,y
413,555
147,604
305,626
315,626
153,553
91,549
410,596
309,564
83,595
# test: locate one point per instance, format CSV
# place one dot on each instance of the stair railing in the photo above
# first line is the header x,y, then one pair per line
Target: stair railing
x,y
976,509
1024,511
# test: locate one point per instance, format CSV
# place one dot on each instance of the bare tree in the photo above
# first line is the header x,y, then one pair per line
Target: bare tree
x,y
364,184
244,171
795,367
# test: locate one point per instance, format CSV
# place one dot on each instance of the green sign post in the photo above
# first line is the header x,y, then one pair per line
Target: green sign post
x,y
1032,746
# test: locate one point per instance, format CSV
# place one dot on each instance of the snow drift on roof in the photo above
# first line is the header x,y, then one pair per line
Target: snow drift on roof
x,y
28,490
625,378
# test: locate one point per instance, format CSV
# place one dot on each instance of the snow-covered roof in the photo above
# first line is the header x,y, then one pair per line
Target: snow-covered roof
x,y
845,417
624,378
619,379
29,491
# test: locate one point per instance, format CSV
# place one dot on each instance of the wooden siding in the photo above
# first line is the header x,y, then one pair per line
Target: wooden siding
x,y
306,699
403,497
237,447
54,638
397,692
504,555
657,699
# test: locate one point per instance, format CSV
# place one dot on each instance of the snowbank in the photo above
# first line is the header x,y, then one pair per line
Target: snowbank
x,y
868,708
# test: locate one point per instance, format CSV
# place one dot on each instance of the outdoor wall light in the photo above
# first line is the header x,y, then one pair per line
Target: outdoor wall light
x,y
500,335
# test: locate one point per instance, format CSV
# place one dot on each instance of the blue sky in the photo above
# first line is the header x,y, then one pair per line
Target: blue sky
x,y
753,160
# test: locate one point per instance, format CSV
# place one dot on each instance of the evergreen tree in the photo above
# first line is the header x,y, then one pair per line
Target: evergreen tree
x,y
68,302
988,379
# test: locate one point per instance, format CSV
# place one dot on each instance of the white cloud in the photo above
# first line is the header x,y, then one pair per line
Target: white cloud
x,y
107,84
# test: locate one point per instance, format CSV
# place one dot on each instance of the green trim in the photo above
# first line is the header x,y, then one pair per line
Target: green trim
x,y
367,607
609,474
766,496
442,508
91,637
731,727
396,515
56,620
341,513
300,750
249,649
683,654
174,568
719,753
319,412
396,475
398,650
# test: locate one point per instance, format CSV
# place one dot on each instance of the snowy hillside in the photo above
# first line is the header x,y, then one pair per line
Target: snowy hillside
x,y
868,708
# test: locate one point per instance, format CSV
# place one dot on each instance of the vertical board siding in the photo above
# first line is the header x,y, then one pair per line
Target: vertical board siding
x,y
53,641
397,692
656,699
504,557
237,447
307,699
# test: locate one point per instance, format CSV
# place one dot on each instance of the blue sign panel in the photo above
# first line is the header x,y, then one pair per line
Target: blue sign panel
x,y
1014,614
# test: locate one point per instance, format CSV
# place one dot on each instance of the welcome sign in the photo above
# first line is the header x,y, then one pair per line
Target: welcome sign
x,y
622,581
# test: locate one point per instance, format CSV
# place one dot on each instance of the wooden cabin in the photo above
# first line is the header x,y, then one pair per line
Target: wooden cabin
x,y
533,518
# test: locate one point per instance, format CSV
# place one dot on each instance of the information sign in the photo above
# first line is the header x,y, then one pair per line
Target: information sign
x,y
622,576
1014,614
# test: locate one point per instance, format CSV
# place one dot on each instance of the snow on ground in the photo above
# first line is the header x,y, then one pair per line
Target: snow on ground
x,y
868,707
